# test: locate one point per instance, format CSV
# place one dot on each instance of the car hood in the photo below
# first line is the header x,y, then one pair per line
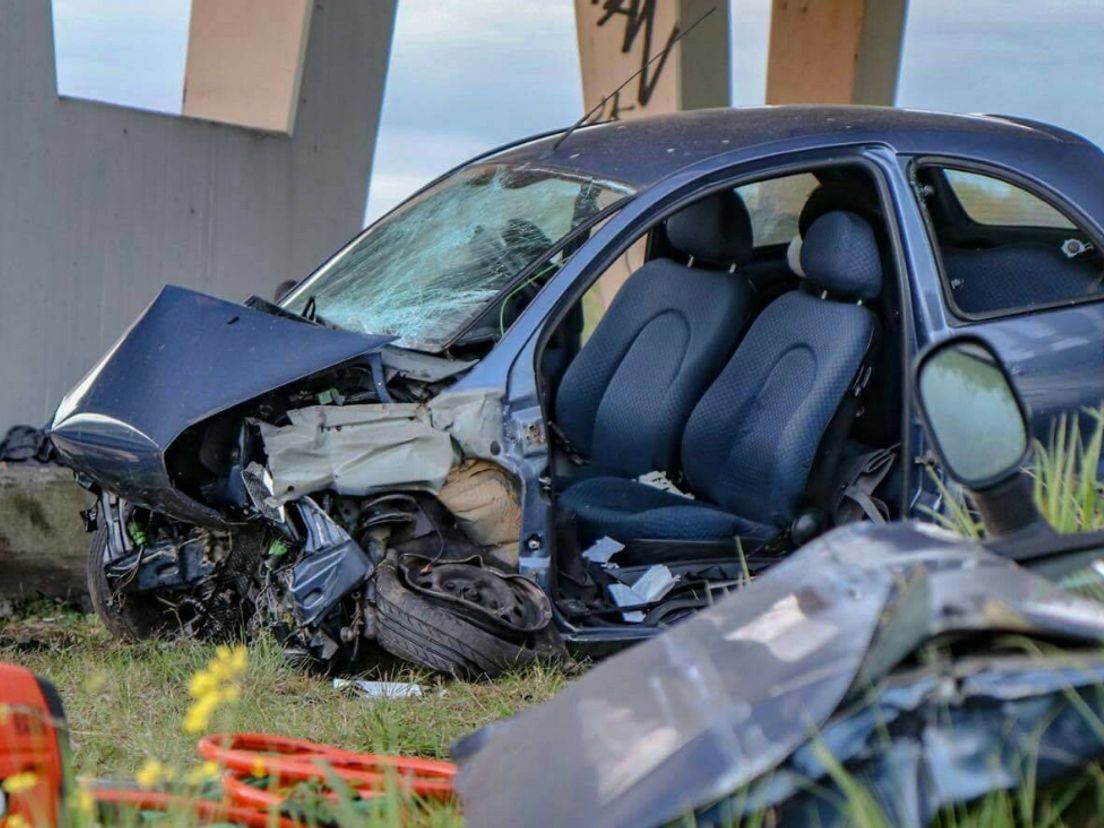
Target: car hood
x,y
725,697
188,357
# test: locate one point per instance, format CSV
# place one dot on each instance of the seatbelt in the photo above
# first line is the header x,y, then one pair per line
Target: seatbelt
x,y
854,498
572,453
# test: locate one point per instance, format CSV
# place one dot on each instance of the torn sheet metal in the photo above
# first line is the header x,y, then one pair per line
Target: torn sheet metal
x,y
679,721
937,736
473,418
356,449
694,715
422,367
485,500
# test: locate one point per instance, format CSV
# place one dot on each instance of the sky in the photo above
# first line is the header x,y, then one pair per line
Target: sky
x,y
467,75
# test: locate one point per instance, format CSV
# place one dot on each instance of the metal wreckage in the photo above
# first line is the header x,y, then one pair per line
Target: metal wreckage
x,y
431,446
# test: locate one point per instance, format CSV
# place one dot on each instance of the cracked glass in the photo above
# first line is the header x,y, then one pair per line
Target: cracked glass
x,y
428,269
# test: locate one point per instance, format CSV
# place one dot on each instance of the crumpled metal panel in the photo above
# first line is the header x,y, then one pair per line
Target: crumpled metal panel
x,y
356,449
938,736
682,720
725,698
188,357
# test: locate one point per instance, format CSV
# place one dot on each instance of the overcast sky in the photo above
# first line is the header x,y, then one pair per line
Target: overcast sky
x,y
466,75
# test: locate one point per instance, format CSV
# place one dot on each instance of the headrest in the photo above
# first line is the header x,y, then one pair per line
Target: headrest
x,y
716,229
854,193
839,254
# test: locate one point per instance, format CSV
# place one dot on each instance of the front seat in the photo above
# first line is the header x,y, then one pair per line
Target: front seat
x,y
624,400
750,443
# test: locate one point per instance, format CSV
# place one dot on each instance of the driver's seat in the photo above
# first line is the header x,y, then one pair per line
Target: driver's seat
x,y
751,441
624,399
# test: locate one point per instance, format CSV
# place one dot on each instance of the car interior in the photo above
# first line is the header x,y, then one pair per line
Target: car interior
x,y
740,394
1003,248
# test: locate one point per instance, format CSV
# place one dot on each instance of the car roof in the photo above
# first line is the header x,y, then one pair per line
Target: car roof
x,y
644,150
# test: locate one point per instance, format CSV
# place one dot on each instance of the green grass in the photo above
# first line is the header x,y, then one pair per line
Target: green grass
x,y
125,702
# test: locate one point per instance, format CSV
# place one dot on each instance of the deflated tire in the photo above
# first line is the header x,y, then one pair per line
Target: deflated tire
x,y
430,635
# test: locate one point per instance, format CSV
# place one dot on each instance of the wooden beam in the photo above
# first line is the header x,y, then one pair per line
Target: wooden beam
x,y
835,51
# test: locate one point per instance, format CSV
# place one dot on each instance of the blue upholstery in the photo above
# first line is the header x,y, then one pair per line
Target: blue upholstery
x,y
1016,276
716,229
625,398
626,509
750,442
839,255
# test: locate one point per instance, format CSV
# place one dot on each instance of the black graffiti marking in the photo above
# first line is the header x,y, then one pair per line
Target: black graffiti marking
x,y
639,18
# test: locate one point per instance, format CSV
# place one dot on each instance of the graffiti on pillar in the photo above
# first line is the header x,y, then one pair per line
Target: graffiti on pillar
x,y
639,21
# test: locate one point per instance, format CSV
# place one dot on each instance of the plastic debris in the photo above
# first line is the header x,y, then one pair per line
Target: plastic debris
x,y
602,550
656,582
380,689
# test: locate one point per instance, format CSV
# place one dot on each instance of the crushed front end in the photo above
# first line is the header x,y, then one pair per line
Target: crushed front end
x,y
255,468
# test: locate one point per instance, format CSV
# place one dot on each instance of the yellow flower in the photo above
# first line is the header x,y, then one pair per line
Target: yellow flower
x,y
207,772
20,782
258,770
215,684
86,802
202,683
16,821
151,774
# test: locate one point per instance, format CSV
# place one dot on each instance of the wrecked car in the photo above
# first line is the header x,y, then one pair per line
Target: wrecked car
x,y
901,660
583,386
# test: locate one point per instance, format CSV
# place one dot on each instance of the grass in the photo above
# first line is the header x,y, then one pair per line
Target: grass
x,y
125,702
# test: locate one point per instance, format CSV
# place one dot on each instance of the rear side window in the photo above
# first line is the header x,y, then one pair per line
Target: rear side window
x,y
775,206
992,201
1005,249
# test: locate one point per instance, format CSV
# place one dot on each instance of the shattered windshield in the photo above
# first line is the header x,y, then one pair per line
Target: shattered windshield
x,y
426,270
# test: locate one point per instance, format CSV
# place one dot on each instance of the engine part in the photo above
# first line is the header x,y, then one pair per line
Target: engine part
x,y
331,565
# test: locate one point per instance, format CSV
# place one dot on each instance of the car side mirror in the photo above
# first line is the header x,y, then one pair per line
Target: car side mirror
x,y
979,431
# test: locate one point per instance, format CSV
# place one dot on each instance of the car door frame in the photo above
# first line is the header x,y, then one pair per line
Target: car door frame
x,y
525,449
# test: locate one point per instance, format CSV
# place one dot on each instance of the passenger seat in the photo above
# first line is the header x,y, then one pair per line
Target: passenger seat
x,y
624,400
750,443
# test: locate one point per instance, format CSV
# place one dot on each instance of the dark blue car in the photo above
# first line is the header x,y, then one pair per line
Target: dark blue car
x,y
630,365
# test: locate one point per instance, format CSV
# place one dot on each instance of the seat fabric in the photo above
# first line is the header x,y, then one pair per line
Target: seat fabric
x,y
625,509
750,442
625,398
1016,276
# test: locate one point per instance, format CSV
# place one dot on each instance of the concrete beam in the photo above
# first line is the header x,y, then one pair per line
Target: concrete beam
x,y
100,205
618,37
245,61
835,51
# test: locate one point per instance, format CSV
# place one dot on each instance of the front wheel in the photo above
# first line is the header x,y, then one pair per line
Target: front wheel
x,y
130,617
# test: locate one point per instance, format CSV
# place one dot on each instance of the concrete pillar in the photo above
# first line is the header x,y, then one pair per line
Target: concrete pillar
x,y
618,37
101,205
835,51
245,61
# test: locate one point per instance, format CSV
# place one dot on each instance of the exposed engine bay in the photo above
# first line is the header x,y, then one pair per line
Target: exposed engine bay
x,y
287,513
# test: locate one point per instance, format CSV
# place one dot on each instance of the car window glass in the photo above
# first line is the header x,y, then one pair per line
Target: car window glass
x,y
431,267
775,206
989,200
1003,248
